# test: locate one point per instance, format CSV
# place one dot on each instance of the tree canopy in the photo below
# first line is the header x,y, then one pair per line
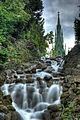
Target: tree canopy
x,y
77,30
21,23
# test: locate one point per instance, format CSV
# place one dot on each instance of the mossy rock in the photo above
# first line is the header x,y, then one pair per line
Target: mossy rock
x,y
7,100
10,108
55,108
3,109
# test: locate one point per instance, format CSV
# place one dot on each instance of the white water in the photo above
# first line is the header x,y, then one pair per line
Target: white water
x,y
31,100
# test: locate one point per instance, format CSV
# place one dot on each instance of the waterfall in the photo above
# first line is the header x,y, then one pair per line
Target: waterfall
x,y
31,100
25,103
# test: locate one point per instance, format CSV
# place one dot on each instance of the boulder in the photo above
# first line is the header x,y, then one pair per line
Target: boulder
x,y
55,108
3,109
27,71
19,71
47,77
2,116
46,115
29,80
39,65
12,116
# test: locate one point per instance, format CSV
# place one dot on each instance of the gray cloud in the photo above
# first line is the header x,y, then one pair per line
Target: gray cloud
x,y
68,10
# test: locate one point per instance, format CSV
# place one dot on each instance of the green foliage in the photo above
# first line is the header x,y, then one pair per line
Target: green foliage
x,y
69,112
53,53
34,7
50,37
77,30
21,23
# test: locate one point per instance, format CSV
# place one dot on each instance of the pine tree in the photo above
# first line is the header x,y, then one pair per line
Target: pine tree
x,y
34,8
77,30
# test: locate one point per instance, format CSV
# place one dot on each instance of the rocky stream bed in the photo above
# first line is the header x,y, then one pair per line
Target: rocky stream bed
x,y
42,80
62,85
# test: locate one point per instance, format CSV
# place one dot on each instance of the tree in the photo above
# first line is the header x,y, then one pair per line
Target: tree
x,y
50,38
77,30
34,8
21,23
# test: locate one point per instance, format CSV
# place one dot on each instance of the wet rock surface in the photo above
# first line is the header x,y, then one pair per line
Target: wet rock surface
x,y
26,75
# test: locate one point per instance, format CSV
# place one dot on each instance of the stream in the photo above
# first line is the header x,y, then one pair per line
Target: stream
x,y
31,100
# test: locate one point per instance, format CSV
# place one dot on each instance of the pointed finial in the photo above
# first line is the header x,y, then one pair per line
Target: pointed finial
x,y
58,12
58,18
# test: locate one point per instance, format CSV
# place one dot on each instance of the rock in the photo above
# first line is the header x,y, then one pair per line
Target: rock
x,y
56,74
71,90
39,79
77,109
77,79
49,83
55,108
10,108
48,64
78,66
20,80
54,115
29,80
44,67
12,116
7,100
62,78
47,77
39,65
33,70
65,95
48,61
19,71
3,109
46,115
2,116
28,75
65,89
78,100
13,71
27,71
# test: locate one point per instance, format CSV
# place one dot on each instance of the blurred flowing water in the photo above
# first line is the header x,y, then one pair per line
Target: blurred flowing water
x,y
31,100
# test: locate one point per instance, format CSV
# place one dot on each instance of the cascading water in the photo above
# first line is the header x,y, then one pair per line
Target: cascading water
x,y
31,100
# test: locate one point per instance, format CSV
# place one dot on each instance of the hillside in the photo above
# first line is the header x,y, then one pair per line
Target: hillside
x,y
71,87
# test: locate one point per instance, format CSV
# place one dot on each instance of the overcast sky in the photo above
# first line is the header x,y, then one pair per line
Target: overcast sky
x,y
68,11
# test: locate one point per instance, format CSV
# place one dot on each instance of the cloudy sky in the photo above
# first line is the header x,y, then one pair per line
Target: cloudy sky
x,y
68,11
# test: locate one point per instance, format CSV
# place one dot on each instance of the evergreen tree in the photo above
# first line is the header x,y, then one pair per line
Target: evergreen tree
x,y
34,8
77,30
21,23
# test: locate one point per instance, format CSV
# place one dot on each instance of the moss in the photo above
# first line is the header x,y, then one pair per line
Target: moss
x,y
69,112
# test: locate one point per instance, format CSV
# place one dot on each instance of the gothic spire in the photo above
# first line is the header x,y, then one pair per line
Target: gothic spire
x,y
58,18
59,39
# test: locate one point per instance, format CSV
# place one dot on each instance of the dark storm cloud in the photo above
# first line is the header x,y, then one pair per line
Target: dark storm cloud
x,y
68,11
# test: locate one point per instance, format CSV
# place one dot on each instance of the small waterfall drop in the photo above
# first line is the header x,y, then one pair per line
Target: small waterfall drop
x,y
29,102
32,99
